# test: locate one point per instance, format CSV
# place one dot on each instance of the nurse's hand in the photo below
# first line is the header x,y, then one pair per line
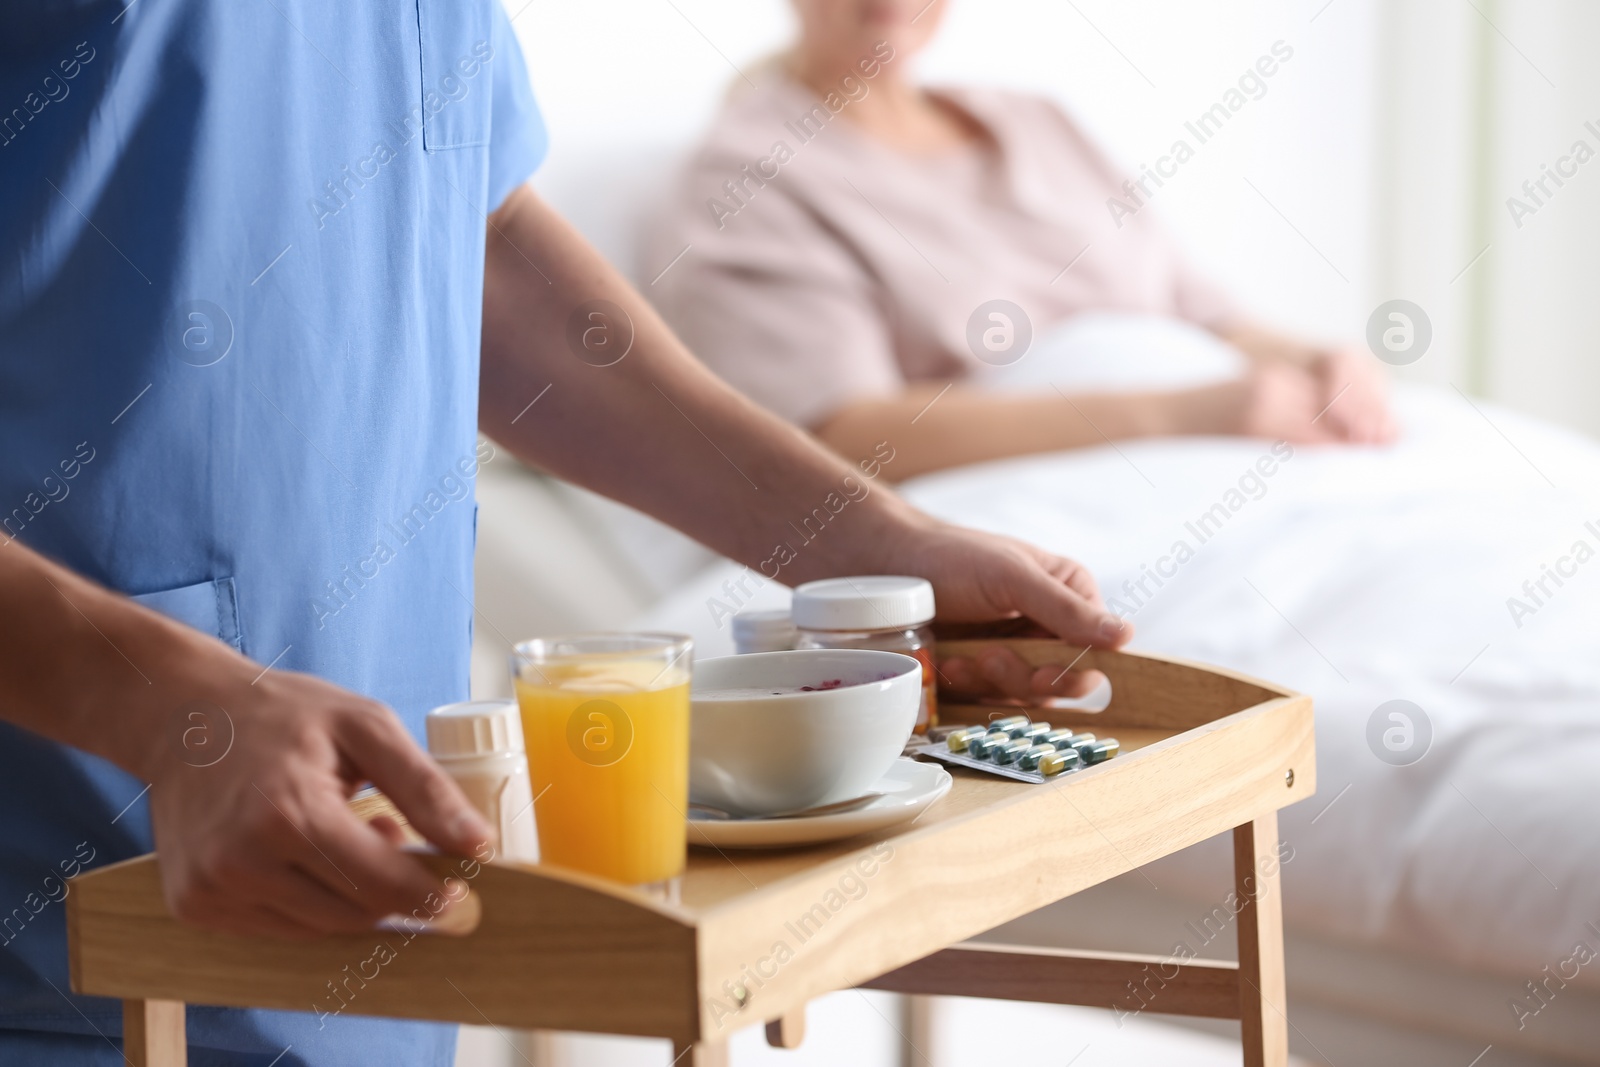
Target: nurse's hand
x,y
978,577
261,841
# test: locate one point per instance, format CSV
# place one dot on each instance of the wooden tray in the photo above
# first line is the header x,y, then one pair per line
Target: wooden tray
x,y
753,936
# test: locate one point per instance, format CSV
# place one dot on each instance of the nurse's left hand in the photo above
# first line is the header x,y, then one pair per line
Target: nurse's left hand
x,y
262,841
978,577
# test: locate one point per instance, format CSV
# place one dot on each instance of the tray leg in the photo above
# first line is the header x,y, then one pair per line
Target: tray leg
x,y
787,1031
152,1033
918,1034
701,1054
1264,1026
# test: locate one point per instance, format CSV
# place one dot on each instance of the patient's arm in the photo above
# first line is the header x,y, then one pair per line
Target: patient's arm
x,y
935,427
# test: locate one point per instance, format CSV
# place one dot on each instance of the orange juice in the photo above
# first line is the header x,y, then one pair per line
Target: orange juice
x,y
608,753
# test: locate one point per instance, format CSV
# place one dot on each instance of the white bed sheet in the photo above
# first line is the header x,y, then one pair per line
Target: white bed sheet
x,y
1359,576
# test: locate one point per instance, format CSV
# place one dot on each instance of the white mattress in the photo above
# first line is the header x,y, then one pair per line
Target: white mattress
x,y
1359,576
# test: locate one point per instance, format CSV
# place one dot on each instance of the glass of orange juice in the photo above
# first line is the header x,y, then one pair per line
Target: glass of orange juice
x,y
606,721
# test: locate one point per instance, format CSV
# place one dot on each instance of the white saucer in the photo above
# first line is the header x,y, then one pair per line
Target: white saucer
x,y
908,789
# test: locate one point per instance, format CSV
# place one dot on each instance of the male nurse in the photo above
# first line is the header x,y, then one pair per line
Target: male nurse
x,y
266,268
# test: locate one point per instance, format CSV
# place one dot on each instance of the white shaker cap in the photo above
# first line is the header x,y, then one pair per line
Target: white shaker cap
x,y
763,631
474,728
876,602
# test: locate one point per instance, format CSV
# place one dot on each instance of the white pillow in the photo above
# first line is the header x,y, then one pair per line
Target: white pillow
x,y
1118,352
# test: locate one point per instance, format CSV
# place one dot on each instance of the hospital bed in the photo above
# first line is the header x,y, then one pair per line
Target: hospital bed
x,y
1443,900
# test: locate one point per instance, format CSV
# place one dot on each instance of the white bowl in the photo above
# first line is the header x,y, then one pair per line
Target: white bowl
x,y
765,754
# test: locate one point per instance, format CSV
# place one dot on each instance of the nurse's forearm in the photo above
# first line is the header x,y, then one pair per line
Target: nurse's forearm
x,y
89,668
656,429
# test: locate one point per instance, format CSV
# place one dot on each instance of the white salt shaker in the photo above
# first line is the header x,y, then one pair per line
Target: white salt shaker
x,y
763,631
479,744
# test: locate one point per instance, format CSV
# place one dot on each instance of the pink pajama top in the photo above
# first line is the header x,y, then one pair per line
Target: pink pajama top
x,y
824,267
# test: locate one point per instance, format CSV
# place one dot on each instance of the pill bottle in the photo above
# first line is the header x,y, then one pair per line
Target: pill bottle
x,y
479,744
884,612
763,631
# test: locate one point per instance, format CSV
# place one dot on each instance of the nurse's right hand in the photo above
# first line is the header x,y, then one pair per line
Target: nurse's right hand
x,y
262,841
256,839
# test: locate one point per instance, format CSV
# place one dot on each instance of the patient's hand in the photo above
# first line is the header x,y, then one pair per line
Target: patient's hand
x,y
1354,393
1298,392
1338,397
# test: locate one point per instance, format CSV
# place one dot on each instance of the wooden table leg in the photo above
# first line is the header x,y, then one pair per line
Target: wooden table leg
x,y
701,1054
1262,1004
152,1033
787,1031
918,1039
539,1047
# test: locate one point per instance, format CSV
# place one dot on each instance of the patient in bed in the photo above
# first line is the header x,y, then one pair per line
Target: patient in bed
x,y
864,252
847,231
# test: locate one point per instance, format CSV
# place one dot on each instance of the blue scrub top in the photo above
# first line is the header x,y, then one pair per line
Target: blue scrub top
x,y
241,271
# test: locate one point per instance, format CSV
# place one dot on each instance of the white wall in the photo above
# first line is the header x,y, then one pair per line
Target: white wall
x,y
1427,183
1303,145
1375,167
1544,276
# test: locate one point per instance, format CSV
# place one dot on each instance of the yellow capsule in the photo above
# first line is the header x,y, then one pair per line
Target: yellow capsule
x,y
1066,759
985,746
959,740
1011,751
1100,751
1029,760
1081,742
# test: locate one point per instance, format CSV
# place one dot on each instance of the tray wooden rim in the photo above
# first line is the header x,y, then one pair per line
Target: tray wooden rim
x,y
625,962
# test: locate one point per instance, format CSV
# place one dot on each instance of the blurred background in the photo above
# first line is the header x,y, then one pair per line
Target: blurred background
x,y
1386,160
1378,165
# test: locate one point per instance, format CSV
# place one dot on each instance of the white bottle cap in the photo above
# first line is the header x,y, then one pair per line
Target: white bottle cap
x,y
474,728
763,631
878,602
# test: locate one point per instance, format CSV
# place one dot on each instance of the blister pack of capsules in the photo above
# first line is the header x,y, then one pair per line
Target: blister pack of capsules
x,y
1019,748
